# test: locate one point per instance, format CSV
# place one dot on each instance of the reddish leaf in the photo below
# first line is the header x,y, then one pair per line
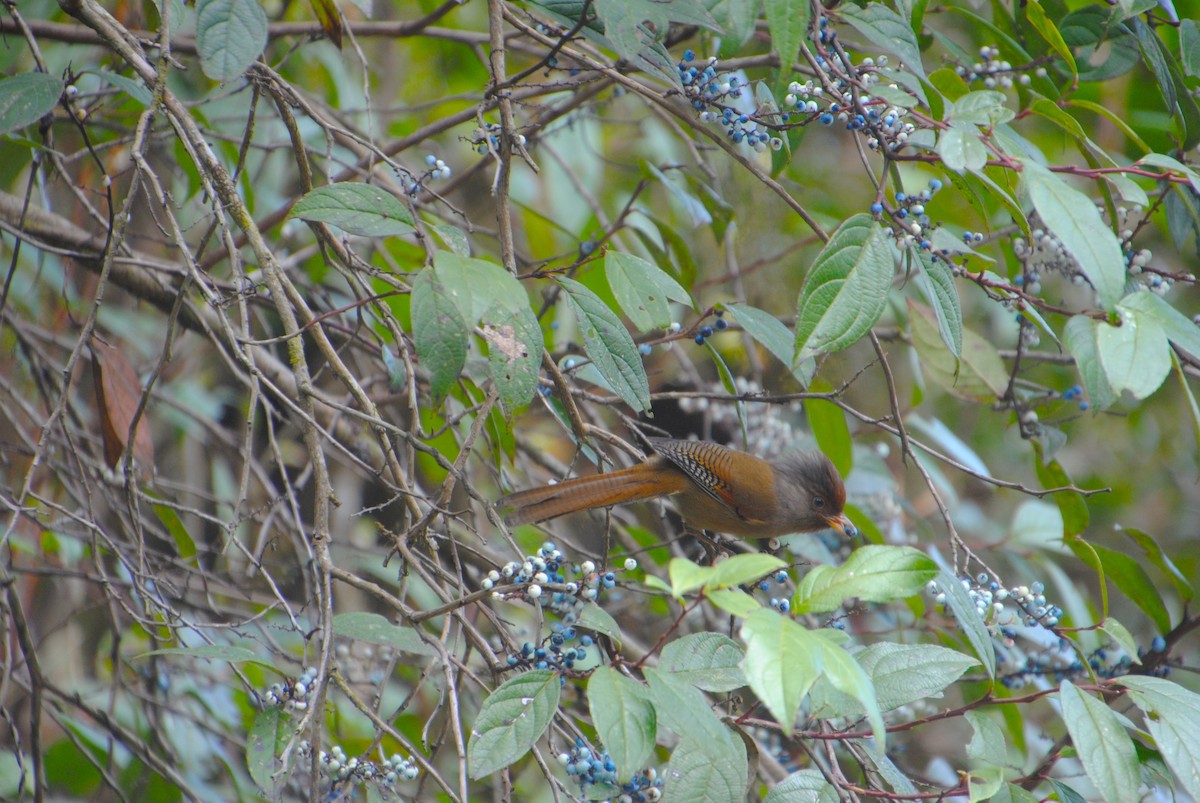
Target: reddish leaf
x,y
118,393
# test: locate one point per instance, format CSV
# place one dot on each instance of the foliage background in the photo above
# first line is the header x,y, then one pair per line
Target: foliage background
x,y
312,444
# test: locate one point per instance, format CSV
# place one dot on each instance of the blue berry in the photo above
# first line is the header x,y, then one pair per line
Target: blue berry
x,y
706,331
699,340
722,324
876,208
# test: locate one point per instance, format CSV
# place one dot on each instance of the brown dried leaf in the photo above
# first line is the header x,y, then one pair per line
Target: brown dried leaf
x,y
118,393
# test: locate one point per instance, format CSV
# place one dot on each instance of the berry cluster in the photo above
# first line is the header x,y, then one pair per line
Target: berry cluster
x,y
1074,393
439,169
293,695
994,73
487,138
705,332
713,95
912,224
598,768
561,650
1059,660
1021,616
344,771
549,566
781,604
992,603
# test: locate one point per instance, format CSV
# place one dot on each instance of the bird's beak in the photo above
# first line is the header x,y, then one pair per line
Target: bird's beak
x,y
842,524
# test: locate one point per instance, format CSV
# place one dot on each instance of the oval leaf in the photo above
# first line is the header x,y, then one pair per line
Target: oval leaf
x,y
361,209
440,334
230,35
624,718
609,345
846,288
375,629
27,98
512,718
1104,747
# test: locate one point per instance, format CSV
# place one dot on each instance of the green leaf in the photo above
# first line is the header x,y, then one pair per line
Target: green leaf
x,y
376,629
625,26
452,237
1129,576
1104,747
733,601
1121,635
439,332
737,18
512,718
788,23
710,661
682,708
1172,165
987,740
624,719
1189,46
1154,553
983,783
872,573
27,98
936,282
782,663
979,373
828,425
477,285
1043,25
230,35
184,543
608,343
1178,328
901,674
687,576
1038,523
960,148
767,330
514,340
984,107
846,288
135,89
1136,355
706,772
1073,217
886,29
1072,505
804,786
747,568
360,209
1080,338
1065,793
1177,96
642,290
972,624
1173,719
593,617
262,749
840,670
213,652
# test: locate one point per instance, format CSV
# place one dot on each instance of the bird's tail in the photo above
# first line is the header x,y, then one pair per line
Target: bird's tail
x,y
583,493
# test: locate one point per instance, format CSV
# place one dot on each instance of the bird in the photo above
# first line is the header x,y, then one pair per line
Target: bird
x,y
715,488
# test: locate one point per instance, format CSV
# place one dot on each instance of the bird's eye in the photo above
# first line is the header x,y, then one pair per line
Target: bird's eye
x,y
818,502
